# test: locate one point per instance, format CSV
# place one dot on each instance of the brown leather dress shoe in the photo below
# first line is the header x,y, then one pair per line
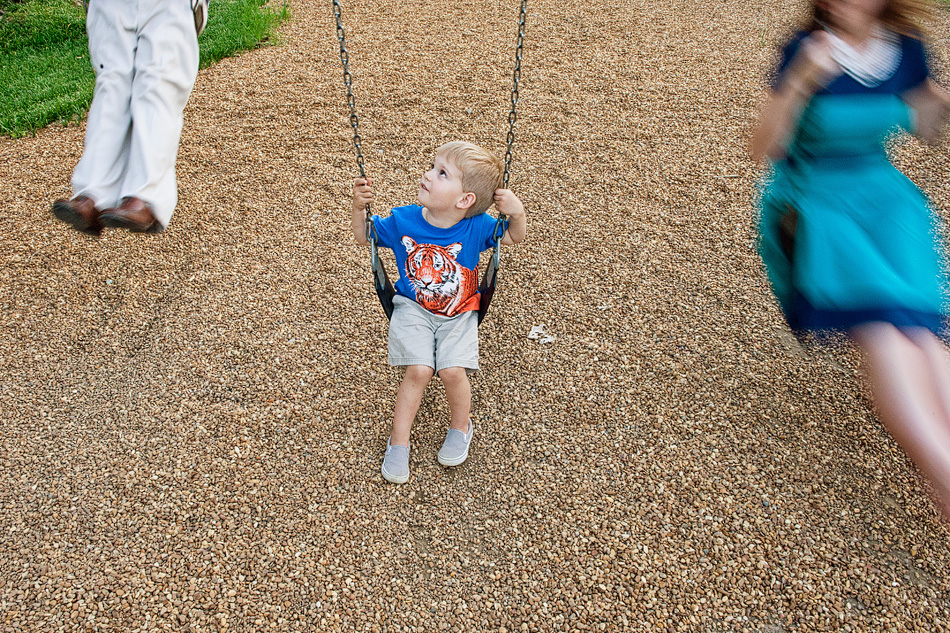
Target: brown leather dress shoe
x,y
133,214
80,212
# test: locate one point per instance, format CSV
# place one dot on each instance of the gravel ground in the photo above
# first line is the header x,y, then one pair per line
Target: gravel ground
x,y
191,424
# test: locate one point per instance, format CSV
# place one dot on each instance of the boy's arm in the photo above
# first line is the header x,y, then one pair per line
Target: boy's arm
x,y
509,205
362,197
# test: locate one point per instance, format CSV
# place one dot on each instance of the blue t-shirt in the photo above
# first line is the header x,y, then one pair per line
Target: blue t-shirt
x,y
438,268
912,70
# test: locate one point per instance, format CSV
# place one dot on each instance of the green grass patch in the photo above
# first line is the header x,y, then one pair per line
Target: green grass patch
x,y
45,74
44,64
239,25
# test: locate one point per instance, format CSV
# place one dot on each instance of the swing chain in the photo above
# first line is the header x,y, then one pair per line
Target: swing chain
x,y
516,77
512,118
355,121
351,102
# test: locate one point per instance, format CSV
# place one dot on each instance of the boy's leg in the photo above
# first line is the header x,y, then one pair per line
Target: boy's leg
x,y
458,391
408,400
411,345
457,354
395,466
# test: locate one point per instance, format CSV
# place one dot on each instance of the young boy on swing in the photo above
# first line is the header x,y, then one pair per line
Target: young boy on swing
x,y
434,325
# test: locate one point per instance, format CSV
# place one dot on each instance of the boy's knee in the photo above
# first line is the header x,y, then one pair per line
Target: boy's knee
x,y
419,373
453,374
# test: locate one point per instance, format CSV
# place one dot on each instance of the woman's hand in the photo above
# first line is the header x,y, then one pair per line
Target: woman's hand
x,y
931,105
813,67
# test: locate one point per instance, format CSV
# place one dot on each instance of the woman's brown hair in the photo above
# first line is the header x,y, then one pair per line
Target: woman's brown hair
x,y
906,17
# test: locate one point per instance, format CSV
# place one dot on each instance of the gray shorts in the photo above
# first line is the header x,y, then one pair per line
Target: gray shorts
x,y
418,337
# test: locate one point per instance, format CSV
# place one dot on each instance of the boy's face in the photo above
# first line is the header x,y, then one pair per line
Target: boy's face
x,y
441,186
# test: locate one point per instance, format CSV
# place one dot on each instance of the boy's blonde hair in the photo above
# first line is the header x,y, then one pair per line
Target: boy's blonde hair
x,y
482,172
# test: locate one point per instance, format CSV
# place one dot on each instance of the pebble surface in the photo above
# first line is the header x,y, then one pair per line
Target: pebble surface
x,y
191,424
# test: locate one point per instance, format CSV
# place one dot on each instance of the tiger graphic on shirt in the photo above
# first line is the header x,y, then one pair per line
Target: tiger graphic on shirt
x,y
442,285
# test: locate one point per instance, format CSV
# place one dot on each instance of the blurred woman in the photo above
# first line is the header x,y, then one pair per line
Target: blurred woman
x,y
850,243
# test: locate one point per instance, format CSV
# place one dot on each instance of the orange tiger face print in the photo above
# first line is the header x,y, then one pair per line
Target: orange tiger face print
x,y
442,285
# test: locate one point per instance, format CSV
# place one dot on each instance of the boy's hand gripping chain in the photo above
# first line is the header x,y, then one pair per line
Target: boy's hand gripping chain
x,y
384,288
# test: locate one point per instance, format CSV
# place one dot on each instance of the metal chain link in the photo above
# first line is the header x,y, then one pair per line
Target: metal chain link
x,y
512,118
351,102
516,77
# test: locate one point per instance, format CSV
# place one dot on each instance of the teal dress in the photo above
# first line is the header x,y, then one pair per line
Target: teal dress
x,y
847,238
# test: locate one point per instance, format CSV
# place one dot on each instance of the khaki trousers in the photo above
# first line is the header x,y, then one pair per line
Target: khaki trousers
x,y
145,54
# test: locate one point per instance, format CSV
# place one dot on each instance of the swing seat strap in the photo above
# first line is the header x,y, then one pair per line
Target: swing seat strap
x,y
384,287
486,287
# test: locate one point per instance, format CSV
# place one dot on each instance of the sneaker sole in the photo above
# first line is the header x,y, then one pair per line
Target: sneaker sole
x,y
453,462
393,478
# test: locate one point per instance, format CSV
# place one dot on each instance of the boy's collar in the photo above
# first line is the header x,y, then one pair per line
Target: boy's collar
x,y
428,217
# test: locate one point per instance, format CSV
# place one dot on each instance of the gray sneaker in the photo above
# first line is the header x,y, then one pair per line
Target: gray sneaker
x,y
396,463
454,449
